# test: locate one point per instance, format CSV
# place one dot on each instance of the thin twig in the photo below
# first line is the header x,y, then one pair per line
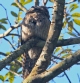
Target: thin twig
x,y
9,43
18,62
13,34
60,76
78,63
9,30
20,6
67,77
76,31
6,14
13,72
56,57
1,53
70,1
18,52
78,77
61,67
45,2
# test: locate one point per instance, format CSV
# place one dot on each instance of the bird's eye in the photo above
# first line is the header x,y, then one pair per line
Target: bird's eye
x,y
40,20
33,21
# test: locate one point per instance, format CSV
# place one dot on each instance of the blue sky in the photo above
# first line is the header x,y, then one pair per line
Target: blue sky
x,y
5,47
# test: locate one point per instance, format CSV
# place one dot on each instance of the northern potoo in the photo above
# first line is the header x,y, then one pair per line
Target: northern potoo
x,y
35,24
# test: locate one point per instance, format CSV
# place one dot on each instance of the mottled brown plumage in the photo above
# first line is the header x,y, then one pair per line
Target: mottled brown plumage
x,y
35,24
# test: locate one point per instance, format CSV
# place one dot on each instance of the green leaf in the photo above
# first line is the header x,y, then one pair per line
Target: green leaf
x,y
14,14
21,1
3,20
19,13
64,24
11,79
73,7
72,34
1,78
8,53
6,76
57,49
60,37
70,29
2,27
66,55
14,4
19,18
65,51
14,66
19,59
76,14
26,2
77,21
51,1
70,26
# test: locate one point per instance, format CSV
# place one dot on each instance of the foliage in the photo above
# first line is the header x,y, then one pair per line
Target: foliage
x,y
71,18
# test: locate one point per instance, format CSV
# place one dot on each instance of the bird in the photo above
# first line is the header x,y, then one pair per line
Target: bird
x,y
36,23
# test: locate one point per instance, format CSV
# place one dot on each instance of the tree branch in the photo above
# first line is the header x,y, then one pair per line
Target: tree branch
x,y
71,1
63,42
18,52
9,30
10,43
13,34
67,77
70,41
20,6
54,32
36,2
28,44
60,67
13,72
6,14
45,2
1,53
55,70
